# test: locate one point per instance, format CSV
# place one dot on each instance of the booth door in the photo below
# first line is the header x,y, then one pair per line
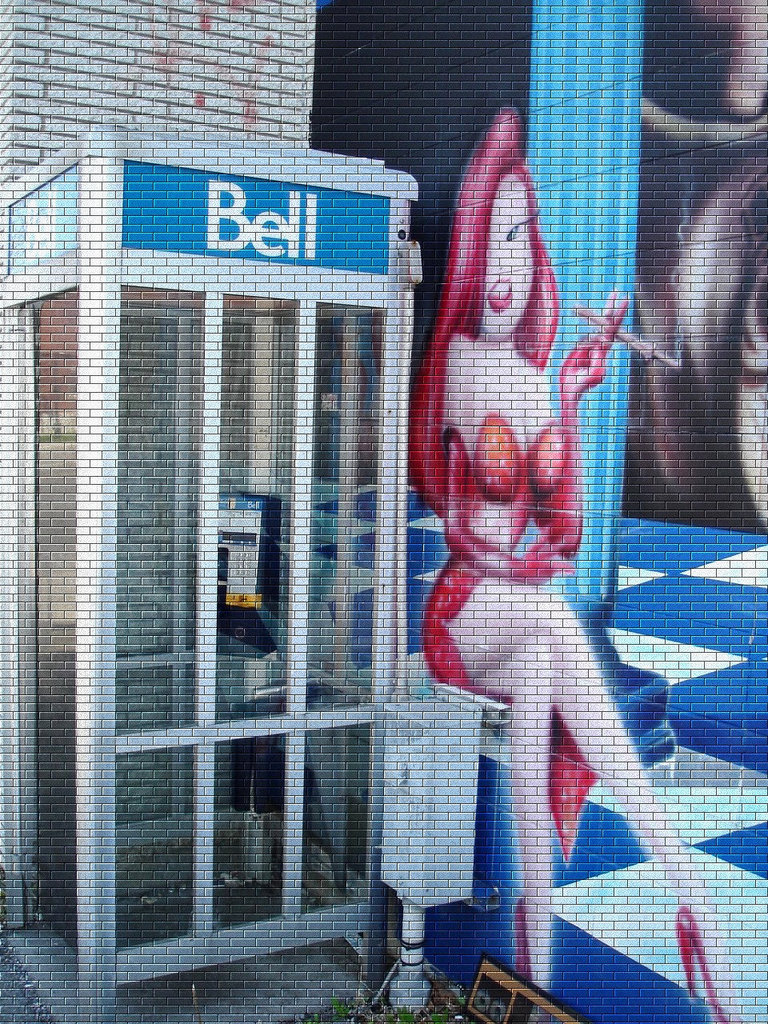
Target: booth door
x,y
236,803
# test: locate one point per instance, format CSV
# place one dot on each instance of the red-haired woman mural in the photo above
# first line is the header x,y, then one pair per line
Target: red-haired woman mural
x,y
499,463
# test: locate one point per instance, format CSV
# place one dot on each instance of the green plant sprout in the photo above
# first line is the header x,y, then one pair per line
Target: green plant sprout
x,y
341,1010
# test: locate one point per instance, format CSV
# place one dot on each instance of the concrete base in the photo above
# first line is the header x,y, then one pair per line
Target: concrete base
x,y
410,988
269,990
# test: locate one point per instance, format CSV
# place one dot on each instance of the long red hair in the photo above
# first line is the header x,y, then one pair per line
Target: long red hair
x,y
461,301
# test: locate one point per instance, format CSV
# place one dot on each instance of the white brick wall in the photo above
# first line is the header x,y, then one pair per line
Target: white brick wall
x,y
228,65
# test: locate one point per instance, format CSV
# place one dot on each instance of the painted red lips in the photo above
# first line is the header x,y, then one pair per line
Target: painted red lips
x,y
500,295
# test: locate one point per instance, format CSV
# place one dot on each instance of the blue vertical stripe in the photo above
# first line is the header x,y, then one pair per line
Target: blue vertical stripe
x,y
583,150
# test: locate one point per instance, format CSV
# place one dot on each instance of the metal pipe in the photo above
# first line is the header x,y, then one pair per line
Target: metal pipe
x,y
411,987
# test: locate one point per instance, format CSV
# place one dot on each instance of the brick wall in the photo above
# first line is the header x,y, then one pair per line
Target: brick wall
x,y
240,66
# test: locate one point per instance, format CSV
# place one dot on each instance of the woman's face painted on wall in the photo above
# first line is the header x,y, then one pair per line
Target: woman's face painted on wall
x,y
509,267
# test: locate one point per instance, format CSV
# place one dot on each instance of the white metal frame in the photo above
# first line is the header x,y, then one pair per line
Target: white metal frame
x,y
100,268
18,816
98,374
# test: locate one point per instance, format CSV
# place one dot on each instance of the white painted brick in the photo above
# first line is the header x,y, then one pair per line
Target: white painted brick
x,y
66,65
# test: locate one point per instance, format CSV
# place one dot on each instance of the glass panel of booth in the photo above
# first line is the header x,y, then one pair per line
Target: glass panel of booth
x,y
159,454
255,476
249,815
55,570
335,818
154,822
344,505
160,395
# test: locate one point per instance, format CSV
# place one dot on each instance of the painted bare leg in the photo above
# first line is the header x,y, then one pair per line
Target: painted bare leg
x,y
504,636
529,746
591,716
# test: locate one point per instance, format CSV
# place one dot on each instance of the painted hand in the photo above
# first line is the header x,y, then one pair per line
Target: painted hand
x,y
585,367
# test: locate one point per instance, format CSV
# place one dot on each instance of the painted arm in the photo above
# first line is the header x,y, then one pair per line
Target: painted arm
x,y
467,500
555,466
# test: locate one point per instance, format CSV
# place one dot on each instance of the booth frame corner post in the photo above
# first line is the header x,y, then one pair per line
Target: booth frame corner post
x,y
391,615
100,225
297,314
586,77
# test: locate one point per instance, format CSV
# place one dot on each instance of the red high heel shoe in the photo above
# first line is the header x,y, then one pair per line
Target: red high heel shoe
x,y
693,955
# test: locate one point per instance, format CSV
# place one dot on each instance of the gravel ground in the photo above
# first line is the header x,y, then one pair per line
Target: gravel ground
x,y
444,1007
20,1003
19,1000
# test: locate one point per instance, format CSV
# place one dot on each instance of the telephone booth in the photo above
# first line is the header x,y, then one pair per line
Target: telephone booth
x,y
205,358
